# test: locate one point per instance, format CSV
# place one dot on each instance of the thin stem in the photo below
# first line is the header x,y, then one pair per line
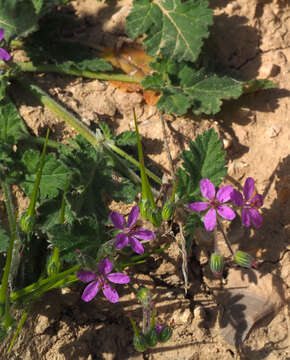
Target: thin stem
x,y
225,236
19,327
165,137
51,68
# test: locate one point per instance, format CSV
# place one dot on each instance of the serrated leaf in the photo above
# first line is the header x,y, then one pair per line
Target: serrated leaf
x,y
193,221
12,127
53,177
175,29
127,138
92,65
105,130
87,236
205,159
257,84
4,240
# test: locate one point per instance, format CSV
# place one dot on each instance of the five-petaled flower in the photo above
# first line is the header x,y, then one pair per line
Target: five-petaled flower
x,y
130,233
249,203
101,279
213,202
3,53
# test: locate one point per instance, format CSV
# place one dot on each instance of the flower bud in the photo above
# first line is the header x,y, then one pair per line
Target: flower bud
x,y
155,217
27,223
167,211
144,206
143,295
165,334
151,337
216,264
140,343
244,259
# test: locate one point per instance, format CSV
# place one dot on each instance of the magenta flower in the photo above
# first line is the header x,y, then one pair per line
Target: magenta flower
x,y
3,53
101,280
250,203
213,202
130,234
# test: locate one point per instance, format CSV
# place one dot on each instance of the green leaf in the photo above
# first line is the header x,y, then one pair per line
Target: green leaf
x,y
105,130
4,240
53,177
205,159
127,138
193,221
86,235
12,127
188,88
258,84
92,65
4,82
38,4
175,29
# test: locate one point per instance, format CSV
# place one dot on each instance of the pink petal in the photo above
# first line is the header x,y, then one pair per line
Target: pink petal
x,y
117,220
237,198
226,212
143,234
122,240
198,206
118,278
224,194
133,216
256,217
86,275
136,245
207,189
110,293
249,188
246,220
1,34
105,266
91,291
257,201
210,220
4,55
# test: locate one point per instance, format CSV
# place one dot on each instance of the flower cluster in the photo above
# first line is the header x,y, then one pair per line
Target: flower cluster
x,y
215,204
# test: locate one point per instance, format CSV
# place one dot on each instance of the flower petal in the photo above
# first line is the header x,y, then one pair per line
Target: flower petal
x,y
110,293
207,189
257,201
86,275
237,198
4,55
198,206
249,188
133,216
91,291
224,193
105,266
118,278
256,218
1,34
122,240
226,212
136,245
210,220
143,234
117,220
246,220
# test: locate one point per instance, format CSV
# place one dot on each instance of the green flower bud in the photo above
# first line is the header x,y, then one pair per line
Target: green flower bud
x,y
165,334
53,267
27,223
155,217
144,206
140,343
244,259
151,338
143,295
167,211
216,264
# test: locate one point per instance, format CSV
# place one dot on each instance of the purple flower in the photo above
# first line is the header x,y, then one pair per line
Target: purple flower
x,y
101,280
3,53
249,203
130,234
213,203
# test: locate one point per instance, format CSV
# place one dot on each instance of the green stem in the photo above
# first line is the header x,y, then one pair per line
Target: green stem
x,y
19,327
46,100
8,203
40,141
51,68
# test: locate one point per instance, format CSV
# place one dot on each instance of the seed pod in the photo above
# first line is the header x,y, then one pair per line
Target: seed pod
x,y
165,334
244,259
140,343
167,211
216,264
152,337
27,223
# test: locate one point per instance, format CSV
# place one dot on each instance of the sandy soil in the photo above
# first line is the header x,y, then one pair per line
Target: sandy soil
x,y
251,37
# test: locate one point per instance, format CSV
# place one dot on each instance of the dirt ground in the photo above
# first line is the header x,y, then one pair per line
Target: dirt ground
x,y
252,38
